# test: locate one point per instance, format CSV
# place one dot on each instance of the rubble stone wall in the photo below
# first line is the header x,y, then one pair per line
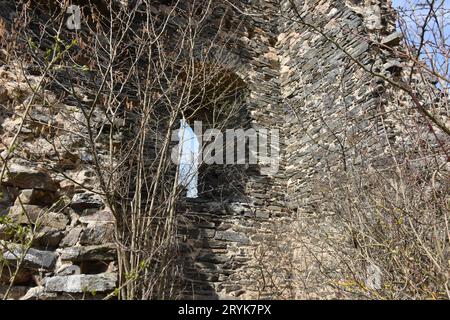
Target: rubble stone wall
x,y
299,83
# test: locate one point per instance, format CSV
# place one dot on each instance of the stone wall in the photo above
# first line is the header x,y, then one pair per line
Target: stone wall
x,y
332,104
324,105
72,253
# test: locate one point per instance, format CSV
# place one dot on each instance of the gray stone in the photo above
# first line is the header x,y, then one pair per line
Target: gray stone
x,y
205,224
38,293
207,233
48,237
262,214
86,200
393,39
105,252
97,233
232,236
86,157
213,257
237,208
34,259
26,214
72,237
361,48
50,226
68,269
275,208
27,177
82,283
392,65
97,216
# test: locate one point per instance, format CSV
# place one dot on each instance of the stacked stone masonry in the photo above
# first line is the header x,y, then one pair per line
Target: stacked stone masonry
x,y
297,81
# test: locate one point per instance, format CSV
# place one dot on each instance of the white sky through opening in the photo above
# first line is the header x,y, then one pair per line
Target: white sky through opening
x,y
189,159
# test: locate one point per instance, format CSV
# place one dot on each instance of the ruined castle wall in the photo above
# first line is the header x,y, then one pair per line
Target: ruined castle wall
x,y
73,255
328,111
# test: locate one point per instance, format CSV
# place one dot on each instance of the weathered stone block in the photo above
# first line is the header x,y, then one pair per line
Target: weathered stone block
x,y
86,200
27,177
68,270
97,233
213,257
38,293
82,283
393,39
232,236
97,216
72,237
49,225
34,259
105,252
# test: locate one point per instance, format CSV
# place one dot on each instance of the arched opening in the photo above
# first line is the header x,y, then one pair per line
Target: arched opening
x,y
218,105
